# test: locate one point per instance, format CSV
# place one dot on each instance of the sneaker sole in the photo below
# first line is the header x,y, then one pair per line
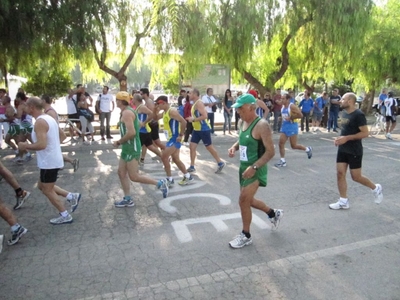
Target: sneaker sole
x,y
67,222
339,208
186,183
238,247
76,166
275,226
73,208
23,233
22,201
122,206
219,170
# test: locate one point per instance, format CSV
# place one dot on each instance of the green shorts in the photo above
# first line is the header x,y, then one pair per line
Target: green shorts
x,y
26,128
14,130
260,175
128,153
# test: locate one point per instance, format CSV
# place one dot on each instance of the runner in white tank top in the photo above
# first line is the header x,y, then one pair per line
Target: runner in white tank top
x,y
49,157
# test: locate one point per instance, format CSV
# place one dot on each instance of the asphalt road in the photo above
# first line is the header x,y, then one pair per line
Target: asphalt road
x,y
177,248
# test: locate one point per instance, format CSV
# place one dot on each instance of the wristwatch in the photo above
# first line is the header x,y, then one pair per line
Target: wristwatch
x,y
254,167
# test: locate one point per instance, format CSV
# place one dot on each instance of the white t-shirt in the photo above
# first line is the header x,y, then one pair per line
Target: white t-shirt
x,y
50,157
389,102
105,102
71,108
208,99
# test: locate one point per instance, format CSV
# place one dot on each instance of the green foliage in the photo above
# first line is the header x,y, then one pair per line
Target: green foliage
x,y
380,63
53,83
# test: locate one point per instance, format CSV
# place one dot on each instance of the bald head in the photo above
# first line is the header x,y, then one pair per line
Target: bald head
x,y
351,97
36,102
137,98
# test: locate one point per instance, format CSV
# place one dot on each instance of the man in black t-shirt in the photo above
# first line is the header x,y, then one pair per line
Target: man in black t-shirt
x,y
334,110
350,151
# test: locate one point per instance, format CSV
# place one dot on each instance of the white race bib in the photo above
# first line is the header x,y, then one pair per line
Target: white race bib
x,y
243,153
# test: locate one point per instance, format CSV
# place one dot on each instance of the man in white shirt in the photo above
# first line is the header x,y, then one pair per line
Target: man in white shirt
x,y
105,106
390,111
211,106
46,143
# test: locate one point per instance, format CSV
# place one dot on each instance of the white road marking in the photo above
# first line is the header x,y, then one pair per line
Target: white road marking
x,y
228,274
183,234
1,242
387,157
165,204
181,189
311,170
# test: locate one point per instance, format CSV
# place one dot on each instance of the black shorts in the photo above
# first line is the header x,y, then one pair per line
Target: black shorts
x,y
154,131
145,139
74,116
354,161
391,118
48,175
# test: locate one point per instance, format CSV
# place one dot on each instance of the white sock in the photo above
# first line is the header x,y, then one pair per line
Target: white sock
x,y
307,149
170,178
64,214
15,227
283,159
343,200
187,175
70,196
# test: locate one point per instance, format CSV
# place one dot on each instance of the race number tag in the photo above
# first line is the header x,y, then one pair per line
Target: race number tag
x,y
166,134
243,153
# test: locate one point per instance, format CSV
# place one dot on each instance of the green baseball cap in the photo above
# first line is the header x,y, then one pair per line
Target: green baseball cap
x,y
244,99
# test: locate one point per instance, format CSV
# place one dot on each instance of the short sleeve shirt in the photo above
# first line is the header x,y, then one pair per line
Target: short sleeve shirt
x,y
105,102
351,124
335,107
208,99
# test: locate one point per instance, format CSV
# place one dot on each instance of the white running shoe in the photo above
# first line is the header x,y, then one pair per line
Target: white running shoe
x,y
240,241
339,205
277,219
378,193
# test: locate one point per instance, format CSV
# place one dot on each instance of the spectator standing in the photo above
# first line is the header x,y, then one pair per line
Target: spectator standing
x,y
319,105
210,104
105,106
334,110
277,98
307,106
269,103
390,112
227,104
381,105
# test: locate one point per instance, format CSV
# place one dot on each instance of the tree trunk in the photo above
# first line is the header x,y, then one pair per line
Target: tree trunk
x,y
255,82
366,105
122,82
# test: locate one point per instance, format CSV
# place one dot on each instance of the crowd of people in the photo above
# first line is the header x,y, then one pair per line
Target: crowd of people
x,y
194,118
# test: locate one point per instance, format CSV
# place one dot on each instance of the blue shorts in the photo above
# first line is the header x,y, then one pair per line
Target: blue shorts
x,y
290,129
204,136
173,143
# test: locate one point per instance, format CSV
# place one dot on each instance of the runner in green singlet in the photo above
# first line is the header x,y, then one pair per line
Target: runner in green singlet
x,y
256,150
130,154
